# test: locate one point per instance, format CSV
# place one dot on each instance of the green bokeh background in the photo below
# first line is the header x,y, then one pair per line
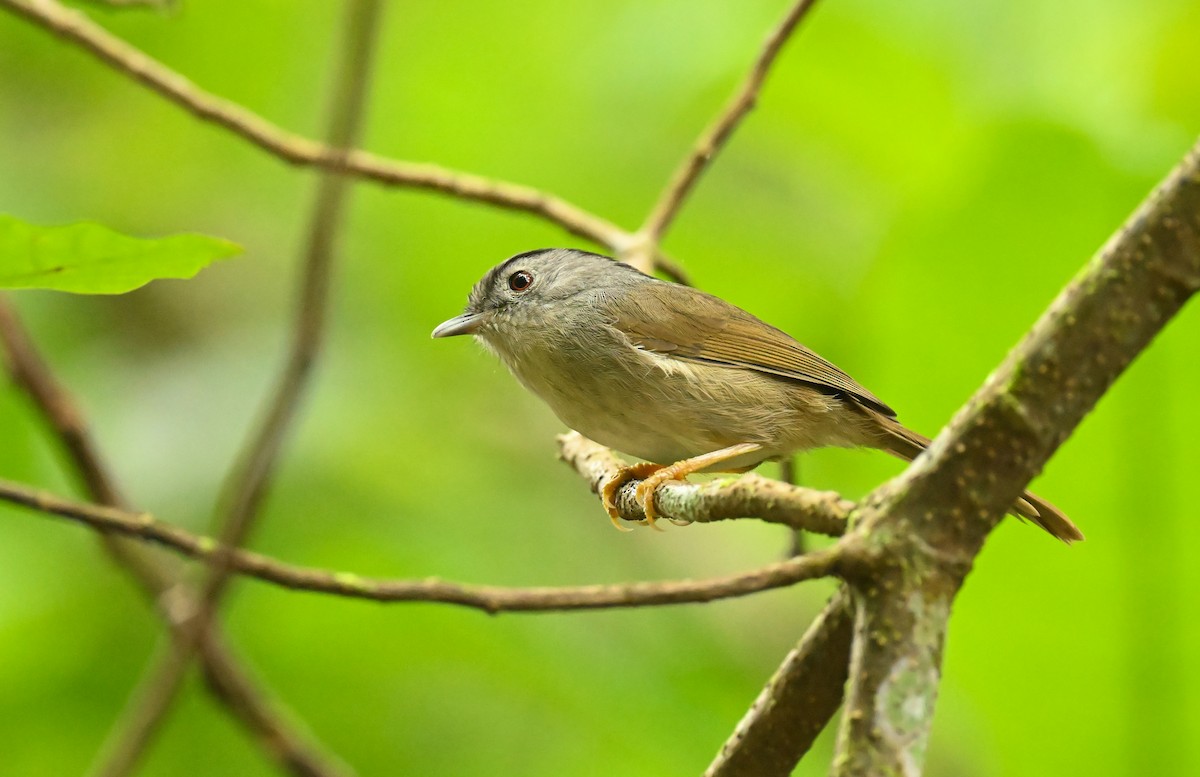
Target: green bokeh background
x,y
918,182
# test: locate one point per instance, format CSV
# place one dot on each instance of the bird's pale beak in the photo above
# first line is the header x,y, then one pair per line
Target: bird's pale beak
x,y
465,324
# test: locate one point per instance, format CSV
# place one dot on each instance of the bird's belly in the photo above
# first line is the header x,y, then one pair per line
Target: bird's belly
x,y
663,409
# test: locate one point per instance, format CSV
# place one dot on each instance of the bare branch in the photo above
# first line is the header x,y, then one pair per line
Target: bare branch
x,y
251,475
789,473
76,28
797,702
279,729
823,512
713,139
251,704
31,373
488,598
137,725
920,533
905,560
248,482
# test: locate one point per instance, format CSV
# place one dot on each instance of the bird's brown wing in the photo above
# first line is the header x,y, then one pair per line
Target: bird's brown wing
x,y
688,324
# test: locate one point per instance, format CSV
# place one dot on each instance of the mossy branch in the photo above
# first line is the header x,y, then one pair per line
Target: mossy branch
x,y
919,534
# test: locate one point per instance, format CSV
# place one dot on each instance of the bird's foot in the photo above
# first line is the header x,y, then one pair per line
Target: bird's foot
x,y
608,493
645,490
654,475
681,469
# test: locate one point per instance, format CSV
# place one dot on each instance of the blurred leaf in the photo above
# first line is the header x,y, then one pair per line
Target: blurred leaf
x,y
89,258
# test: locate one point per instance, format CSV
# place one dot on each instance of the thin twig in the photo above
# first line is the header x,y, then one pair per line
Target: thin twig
x,y
250,703
491,599
713,139
247,483
31,373
750,496
249,480
789,473
135,728
76,28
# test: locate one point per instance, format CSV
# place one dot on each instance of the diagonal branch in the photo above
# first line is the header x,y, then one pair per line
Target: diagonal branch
x,y
491,599
30,372
796,703
248,482
262,715
714,137
247,485
920,533
74,27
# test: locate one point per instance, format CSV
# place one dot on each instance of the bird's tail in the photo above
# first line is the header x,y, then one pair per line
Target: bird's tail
x,y
904,443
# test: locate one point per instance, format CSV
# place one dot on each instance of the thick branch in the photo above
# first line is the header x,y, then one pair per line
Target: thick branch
x,y
920,533
823,512
488,598
76,28
799,700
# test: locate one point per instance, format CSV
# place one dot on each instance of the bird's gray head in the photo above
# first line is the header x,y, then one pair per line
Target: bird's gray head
x,y
532,285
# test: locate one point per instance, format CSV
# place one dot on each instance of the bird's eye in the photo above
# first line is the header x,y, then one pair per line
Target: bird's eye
x,y
520,281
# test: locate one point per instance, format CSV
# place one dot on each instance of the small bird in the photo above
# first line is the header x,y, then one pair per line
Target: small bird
x,y
675,376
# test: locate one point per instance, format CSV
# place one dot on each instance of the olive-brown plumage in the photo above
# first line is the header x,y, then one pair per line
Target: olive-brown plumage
x,y
676,376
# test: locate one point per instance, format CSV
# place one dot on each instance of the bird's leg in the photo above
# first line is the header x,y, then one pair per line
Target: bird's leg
x,y
681,469
608,493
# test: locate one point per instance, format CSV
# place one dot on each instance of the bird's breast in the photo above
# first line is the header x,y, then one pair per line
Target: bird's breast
x,y
654,406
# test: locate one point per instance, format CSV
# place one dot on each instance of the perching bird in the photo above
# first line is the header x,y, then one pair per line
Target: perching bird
x,y
675,376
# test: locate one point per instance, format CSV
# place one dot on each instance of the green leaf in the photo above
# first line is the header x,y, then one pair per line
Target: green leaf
x,y
89,258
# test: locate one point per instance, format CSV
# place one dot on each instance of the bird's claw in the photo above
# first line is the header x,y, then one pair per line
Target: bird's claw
x,y
643,470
